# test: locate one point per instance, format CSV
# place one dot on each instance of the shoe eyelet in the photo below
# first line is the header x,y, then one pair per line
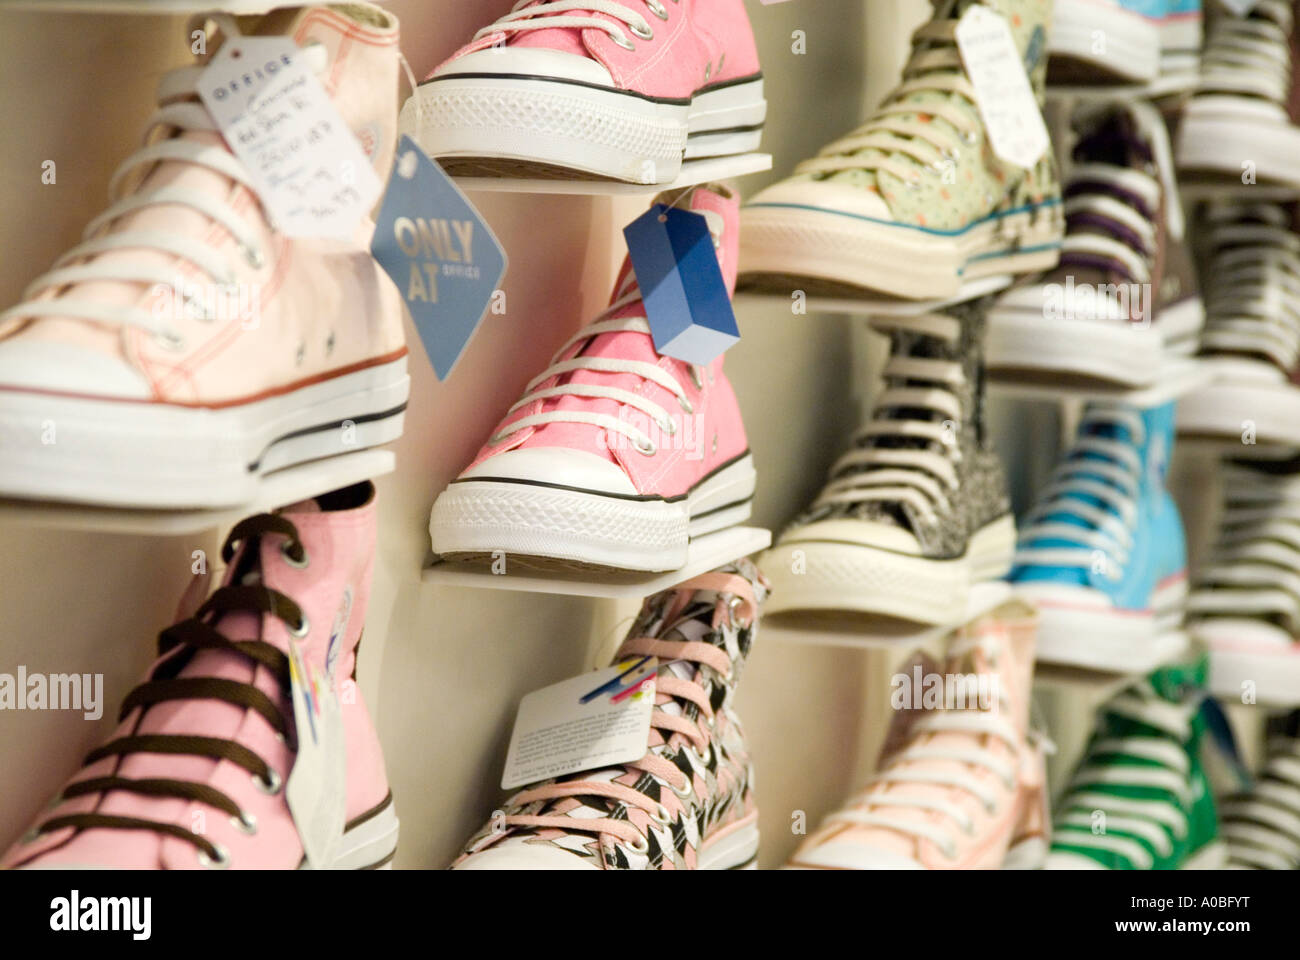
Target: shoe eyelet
x,y
950,851
696,377
169,340
644,31
648,450
669,427
298,563
657,8
270,787
220,862
31,836
301,628
245,823
623,42
685,792
255,258
701,758
685,403
661,816
641,845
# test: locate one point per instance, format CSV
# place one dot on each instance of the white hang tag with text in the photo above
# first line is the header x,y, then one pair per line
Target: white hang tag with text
x,y
1003,93
308,168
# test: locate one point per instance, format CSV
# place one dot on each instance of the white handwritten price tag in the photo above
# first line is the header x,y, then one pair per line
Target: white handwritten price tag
x,y
1002,91
307,167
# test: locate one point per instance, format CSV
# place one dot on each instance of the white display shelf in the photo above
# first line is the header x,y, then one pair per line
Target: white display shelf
x,y
1178,377
879,306
277,490
1160,87
706,552
1098,686
693,172
863,632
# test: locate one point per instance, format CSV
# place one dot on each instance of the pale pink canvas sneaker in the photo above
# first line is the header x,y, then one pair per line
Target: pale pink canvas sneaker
x,y
963,785
623,90
186,348
688,804
615,456
195,775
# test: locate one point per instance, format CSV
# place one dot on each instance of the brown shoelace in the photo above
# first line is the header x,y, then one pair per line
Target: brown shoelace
x,y
164,685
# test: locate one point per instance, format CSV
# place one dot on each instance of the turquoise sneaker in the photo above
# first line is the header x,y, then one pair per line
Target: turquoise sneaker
x,y
1140,799
1102,553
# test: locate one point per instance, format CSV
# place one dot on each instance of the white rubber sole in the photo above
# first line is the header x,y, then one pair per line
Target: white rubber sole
x,y
590,130
1127,354
903,261
1116,45
526,519
735,850
859,578
1273,678
1234,411
153,455
369,845
1231,144
1078,627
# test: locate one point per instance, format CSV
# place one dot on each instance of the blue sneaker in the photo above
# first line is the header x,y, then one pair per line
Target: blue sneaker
x,y
1102,553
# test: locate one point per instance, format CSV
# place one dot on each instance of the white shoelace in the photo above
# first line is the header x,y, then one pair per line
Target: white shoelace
x,y
534,392
557,14
1112,475
126,196
911,474
899,773
1253,305
894,128
1254,568
1250,55
1159,822
1262,827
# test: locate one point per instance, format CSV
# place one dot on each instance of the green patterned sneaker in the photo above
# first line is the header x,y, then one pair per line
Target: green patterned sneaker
x,y
913,203
1140,799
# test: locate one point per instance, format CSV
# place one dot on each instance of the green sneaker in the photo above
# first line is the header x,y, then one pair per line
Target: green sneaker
x,y
1262,826
914,203
1140,799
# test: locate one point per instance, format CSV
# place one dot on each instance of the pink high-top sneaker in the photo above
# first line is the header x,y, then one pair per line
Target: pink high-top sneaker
x,y
624,90
615,456
195,774
688,804
964,789
185,347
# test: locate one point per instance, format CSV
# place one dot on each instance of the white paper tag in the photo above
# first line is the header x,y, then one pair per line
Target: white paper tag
x,y
597,720
307,167
317,786
1003,93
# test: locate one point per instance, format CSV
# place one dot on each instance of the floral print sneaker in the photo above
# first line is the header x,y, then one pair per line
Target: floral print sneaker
x,y
688,804
914,202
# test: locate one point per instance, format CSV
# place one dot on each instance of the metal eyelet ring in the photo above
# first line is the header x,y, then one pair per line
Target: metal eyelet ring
x,y
270,786
220,862
657,8
32,835
245,823
649,449
685,792
668,427
950,851
254,257
300,629
701,758
641,845
696,378
661,816
169,340
643,31
298,563
623,42
686,405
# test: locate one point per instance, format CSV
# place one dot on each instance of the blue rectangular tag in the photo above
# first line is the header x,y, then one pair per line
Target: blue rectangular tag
x,y
686,301
440,253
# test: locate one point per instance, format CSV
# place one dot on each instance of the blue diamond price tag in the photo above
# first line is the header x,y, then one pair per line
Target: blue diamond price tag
x,y
686,300
440,253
